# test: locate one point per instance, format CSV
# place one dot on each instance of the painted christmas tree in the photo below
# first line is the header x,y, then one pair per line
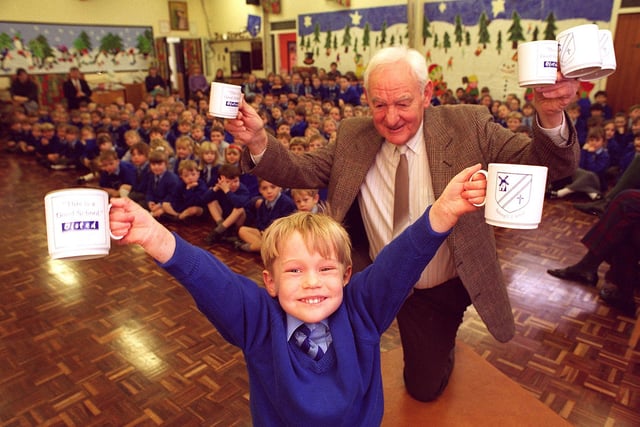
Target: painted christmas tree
x,y
483,32
366,41
458,30
426,33
515,31
327,43
446,43
346,38
383,33
550,29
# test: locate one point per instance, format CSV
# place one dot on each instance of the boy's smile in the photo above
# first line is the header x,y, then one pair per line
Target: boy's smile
x,y
308,286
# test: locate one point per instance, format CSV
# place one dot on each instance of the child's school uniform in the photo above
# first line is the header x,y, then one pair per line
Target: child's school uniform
x,y
287,387
209,174
230,200
162,189
125,173
184,198
267,212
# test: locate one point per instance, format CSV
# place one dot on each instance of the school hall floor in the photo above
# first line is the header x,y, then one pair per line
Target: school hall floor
x,y
116,341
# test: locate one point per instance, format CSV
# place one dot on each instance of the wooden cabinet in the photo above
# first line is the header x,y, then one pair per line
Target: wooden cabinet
x,y
133,93
106,97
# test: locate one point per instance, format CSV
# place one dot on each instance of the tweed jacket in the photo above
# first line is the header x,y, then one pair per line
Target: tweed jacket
x,y
456,137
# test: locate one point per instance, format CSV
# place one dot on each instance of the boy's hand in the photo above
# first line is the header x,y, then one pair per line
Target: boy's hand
x,y
222,185
458,198
136,225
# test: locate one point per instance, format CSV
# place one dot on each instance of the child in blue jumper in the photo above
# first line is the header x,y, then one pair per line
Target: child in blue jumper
x,y
336,379
271,205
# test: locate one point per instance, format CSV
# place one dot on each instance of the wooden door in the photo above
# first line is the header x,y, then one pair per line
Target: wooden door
x,y
623,86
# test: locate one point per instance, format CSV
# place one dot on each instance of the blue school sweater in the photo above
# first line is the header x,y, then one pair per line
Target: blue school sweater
x,y
287,387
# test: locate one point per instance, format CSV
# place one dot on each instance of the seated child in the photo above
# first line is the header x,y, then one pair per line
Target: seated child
x,y
226,202
163,145
307,200
298,145
590,176
140,159
232,156
48,146
131,137
163,183
272,204
209,163
217,137
332,376
284,138
116,177
15,134
317,142
514,120
187,200
184,151
89,157
28,144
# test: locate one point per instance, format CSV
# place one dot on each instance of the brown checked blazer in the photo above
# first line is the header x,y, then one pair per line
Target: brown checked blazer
x,y
456,137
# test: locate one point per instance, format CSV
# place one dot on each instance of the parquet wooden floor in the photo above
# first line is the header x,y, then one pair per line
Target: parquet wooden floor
x,y
117,342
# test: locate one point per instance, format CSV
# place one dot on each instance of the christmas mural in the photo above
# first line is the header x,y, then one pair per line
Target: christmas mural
x,y
467,43
477,40
350,37
51,48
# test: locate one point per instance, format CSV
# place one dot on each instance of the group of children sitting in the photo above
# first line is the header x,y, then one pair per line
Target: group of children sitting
x,y
177,170
609,143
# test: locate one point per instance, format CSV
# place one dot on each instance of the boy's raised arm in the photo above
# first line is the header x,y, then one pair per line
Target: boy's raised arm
x,y
457,199
130,220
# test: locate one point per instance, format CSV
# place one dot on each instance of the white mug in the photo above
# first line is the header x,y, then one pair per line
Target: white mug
x,y
537,63
224,100
515,195
78,223
608,56
579,52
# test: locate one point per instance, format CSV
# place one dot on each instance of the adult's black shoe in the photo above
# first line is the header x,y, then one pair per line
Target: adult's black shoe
x,y
575,274
596,208
613,297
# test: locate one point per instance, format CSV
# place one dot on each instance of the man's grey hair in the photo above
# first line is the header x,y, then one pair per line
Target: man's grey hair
x,y
395,54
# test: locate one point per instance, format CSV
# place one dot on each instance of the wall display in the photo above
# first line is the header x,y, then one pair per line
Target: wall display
x,y
179,15
467,43
54,48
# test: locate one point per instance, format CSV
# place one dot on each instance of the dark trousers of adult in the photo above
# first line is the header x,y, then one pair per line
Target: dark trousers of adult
x,y
615,238
630,179
428,322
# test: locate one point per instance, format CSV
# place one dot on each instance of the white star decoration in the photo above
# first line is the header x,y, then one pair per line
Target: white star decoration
x,y
442,7
355,18
307,21
497,6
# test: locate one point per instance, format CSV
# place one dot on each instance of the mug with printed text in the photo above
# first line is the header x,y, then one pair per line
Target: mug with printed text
x,y
225,100
515,195
537,63
78,223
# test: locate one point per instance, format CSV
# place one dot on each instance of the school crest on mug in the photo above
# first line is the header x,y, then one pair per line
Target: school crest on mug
x,y
513,190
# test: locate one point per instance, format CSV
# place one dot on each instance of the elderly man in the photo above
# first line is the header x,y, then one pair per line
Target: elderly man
x,y
429,145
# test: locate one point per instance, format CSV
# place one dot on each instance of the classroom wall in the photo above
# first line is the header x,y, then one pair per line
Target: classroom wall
x,y
221,17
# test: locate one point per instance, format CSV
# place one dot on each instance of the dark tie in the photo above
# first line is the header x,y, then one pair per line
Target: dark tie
x,y
301,337
155,182
401,195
